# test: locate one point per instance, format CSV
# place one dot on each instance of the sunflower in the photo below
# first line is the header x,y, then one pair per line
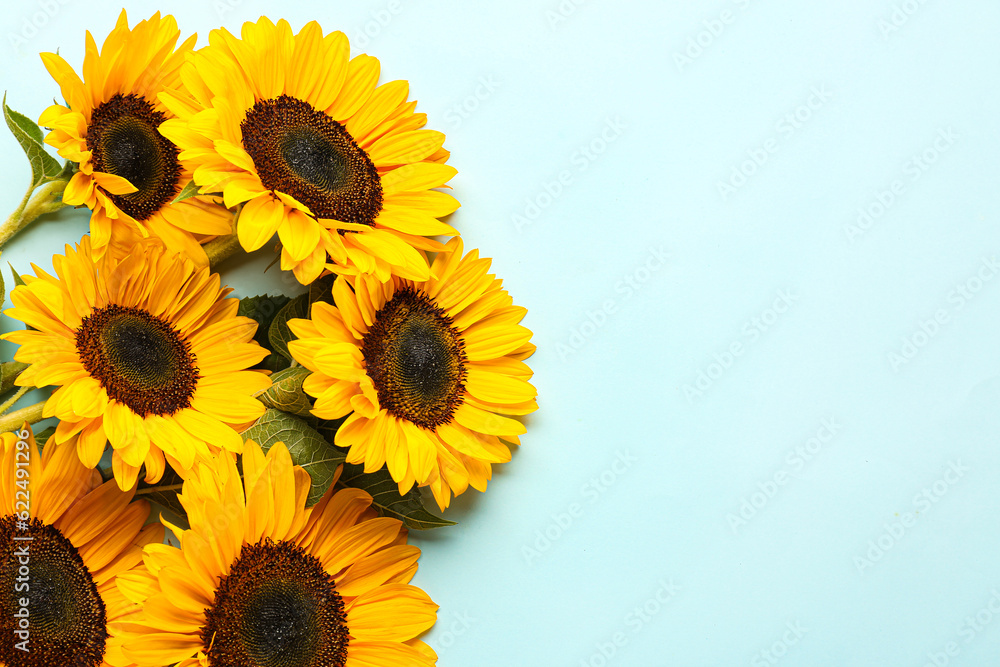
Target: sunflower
x,y
260,580
128,172
146,351
64,537
298,133
426,370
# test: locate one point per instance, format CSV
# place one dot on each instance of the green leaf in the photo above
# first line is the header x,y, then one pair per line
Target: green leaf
x,y
327,427
189,190
17,278
286,392
308,448
279,334
29,135
3,290
25,124
321,289
408,508
263,308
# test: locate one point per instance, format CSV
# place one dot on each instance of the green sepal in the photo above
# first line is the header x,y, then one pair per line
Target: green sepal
x,y
18,281
188,191
42,437
9,370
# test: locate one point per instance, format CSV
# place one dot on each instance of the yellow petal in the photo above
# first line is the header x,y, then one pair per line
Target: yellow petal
x,y
386,654
482,421
395,612
419,176
259,220
497,387
299,235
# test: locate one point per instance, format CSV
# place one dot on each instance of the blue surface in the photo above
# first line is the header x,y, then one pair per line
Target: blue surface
x,y
711,342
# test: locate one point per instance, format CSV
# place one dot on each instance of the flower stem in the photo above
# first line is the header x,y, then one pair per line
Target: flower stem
x,y
47,199
221,249
30,414
154,489
14,399
224,247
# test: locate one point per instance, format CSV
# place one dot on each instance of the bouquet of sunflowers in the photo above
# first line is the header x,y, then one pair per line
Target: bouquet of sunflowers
x,y
283,441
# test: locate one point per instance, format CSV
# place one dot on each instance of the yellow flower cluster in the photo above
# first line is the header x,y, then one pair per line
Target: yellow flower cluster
x,y
184,156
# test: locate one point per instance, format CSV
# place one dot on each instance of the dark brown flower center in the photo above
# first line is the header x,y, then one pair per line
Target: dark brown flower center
x,y
277,607
304,153
124,141
48,600
416,360
139,359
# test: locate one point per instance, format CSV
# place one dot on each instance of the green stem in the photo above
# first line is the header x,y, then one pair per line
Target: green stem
x,y
155,489
47,199
224,247
9,370
221,249
14,399
30,414
15,217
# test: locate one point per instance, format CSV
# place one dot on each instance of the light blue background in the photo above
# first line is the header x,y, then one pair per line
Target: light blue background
x,y
520,94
